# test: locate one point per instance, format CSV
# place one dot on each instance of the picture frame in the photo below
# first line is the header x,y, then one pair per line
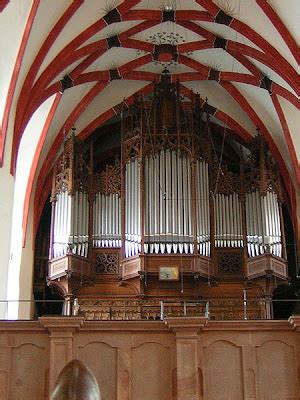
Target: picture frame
x,y
168,273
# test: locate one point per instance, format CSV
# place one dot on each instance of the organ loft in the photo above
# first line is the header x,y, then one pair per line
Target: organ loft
x,y
167,207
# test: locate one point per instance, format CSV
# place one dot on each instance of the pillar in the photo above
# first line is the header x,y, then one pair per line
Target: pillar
x,y
186,330
61,331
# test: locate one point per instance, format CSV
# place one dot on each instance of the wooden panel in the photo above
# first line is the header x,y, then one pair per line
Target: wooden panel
x,y
276,371
3,385
151,372
27,372
223,376
102,360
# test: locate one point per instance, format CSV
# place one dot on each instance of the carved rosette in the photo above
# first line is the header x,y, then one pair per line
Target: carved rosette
x,y
107,263
108,181
230,263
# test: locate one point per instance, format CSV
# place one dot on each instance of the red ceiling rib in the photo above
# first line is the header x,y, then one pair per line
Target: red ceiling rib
x,y
141,76
137,29
222,116
283,92
67,51
86,100
3,4
35,91
235,93
46,167
34,164
38,99
123,8
15,75
67,126
85,64
196,65
194,46
263,58
138,62
110,113
281,28
140,14
287,136
209,6
286,70
274,57
193,27
245,62
26,89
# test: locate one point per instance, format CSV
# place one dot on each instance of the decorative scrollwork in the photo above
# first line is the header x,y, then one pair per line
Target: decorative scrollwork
x,y
108,181
230,263
107,263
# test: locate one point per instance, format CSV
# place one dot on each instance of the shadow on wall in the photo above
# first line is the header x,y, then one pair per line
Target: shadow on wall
x,y
286,301
76,382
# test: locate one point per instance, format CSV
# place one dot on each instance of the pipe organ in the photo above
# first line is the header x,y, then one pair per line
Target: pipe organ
x,y
132,209
70,204
107,207
169,198
168,223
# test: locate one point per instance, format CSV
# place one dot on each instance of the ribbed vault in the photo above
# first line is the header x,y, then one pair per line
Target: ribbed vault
x,y
85,57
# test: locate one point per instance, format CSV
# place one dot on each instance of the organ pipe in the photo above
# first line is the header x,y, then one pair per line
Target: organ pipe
x,y
263,224
174,198
228,221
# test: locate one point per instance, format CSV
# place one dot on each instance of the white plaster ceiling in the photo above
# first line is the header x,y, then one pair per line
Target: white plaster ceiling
x,y
65,37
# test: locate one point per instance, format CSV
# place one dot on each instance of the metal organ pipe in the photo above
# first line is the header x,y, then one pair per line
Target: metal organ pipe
x,y
156,205
189,206
202,205
263,224
168,202
162,201
180,203
137,209
106,228
175,201
71,224
147,209
228,220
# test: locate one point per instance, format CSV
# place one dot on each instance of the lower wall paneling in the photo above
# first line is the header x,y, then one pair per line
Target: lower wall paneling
x,y
102,360
134,360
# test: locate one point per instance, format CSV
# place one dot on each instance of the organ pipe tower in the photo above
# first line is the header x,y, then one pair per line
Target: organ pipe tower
x,y
170,208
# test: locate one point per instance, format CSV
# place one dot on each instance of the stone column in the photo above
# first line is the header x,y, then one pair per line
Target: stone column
x,y
186,330
61,331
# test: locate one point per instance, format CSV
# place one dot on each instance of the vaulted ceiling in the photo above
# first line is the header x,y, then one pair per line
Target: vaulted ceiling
x,y
66,63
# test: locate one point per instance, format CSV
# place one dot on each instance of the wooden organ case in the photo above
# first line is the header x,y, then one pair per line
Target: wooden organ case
x,y
168,218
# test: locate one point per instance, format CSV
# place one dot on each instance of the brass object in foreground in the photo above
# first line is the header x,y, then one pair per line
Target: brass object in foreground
x,y
76,382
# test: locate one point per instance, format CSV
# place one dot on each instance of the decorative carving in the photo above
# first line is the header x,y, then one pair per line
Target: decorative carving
x,y
230,263
73,168
223,180
108,181
220,309
106,263
165,121
260,170
232,309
